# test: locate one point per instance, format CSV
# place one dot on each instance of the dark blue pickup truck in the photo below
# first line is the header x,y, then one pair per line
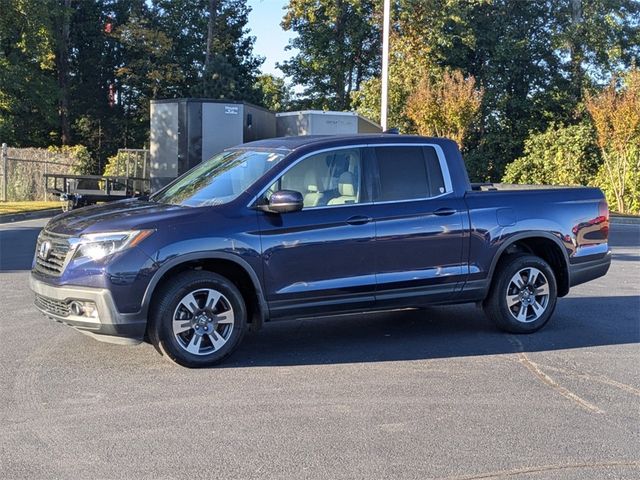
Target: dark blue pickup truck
x,y
309,226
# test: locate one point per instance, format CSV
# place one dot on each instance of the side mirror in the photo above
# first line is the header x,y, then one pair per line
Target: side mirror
x,y
285,201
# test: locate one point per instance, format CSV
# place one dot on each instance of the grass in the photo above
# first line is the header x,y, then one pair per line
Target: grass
x,y
21,207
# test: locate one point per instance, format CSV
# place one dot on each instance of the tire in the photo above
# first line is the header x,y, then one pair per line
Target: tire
x,y
198,319
515,304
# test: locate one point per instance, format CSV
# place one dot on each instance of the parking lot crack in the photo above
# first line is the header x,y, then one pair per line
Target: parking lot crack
x,y
546,468
535,369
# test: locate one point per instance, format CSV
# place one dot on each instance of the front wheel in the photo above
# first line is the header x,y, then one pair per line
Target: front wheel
x,y
198,319
523,294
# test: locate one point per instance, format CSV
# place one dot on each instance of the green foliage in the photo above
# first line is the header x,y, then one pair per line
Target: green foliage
x,y
527,56
27,74
562,155
276,95
128,163
117,56
339,47
628,179
78,156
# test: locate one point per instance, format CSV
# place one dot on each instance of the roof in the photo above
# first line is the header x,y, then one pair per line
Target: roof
x,y
209,100
316,112
300,113
328,141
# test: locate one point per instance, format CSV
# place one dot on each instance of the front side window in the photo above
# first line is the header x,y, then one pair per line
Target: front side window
x,y
325,179
220,179
408,173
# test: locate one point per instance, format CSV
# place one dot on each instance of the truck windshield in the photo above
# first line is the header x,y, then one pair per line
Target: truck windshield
x,y
220,179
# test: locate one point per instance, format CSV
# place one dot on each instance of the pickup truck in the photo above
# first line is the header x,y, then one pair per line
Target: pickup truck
x,y
314,226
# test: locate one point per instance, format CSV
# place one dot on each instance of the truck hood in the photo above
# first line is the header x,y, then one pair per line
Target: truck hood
x,y
130,214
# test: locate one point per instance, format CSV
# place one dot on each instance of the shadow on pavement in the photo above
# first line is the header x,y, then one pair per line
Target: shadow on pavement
x,y
17,246
438,332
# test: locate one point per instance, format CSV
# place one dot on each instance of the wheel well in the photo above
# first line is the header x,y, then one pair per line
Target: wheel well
x,y
549,251
228,269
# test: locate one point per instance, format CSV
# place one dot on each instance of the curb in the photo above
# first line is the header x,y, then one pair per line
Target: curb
x,y
624,220
18,217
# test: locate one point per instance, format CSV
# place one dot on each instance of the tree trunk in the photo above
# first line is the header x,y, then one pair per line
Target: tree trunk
x,y
213,12
62,67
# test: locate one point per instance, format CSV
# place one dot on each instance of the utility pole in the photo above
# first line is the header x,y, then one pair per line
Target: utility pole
x,y
385,64
3,154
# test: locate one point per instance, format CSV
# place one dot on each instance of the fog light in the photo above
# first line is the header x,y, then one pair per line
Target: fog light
x,y
83,309
76,308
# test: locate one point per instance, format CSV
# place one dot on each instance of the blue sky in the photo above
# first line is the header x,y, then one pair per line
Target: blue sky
x,y
264,22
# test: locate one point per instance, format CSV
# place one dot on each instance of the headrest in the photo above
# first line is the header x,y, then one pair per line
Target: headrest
x,y
346,186
338,162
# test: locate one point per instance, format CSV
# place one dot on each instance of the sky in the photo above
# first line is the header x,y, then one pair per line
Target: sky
x,y
264,23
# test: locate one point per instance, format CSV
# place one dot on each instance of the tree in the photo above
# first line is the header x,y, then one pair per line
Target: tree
x,y
595,38
616,115
531,58
562,155
276,94
28,94
62,20
212,46
339,48
447,107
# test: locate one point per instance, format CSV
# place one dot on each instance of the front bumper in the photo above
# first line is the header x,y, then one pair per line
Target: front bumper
x,y
586,271
109,326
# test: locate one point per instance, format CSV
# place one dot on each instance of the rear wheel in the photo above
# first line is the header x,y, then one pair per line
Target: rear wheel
x,y
523,294
199,318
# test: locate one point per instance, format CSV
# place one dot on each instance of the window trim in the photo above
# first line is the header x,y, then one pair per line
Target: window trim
x,y
448,185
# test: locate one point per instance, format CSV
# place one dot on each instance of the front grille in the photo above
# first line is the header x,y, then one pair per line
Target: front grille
x,y
54,262
53,306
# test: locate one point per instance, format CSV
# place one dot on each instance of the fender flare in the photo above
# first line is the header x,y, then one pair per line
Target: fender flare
x,y
188,257
524,236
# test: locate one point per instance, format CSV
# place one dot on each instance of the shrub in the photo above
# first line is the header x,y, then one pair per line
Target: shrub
x,y
562,155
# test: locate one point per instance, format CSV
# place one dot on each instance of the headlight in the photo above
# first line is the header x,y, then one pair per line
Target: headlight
x,y
96,246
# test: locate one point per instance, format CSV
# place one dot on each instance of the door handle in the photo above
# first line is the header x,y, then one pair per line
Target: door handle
x,y
443,212
359,220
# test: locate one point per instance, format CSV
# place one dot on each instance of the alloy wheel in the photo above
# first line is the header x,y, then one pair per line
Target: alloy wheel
x,y
203,321
527,295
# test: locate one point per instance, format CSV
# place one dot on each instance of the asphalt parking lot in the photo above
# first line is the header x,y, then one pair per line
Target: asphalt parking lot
x,y
436,393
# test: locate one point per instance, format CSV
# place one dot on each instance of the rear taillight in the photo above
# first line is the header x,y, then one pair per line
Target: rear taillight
x,y
603,209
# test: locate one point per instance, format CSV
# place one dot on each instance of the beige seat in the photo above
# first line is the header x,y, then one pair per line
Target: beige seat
x,y
346,189
313,195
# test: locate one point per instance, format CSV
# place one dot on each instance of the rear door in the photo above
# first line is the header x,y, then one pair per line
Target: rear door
x,y
419,226
321,259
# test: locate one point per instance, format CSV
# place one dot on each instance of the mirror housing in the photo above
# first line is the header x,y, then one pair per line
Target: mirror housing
x,y
285,201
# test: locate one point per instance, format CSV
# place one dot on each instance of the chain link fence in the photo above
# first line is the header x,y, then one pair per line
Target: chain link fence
x,y
22,172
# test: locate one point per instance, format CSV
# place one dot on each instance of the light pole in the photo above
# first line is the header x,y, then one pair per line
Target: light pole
x,y
385,64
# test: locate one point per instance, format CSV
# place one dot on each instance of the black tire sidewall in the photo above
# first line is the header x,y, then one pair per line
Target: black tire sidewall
x,y
500,312
171,296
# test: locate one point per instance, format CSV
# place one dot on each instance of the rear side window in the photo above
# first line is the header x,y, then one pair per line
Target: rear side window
x,y
408,173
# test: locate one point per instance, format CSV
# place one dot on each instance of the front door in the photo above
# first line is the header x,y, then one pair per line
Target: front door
x,y
321,259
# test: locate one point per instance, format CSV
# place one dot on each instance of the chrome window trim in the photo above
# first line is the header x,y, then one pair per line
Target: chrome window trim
x,y
446,176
